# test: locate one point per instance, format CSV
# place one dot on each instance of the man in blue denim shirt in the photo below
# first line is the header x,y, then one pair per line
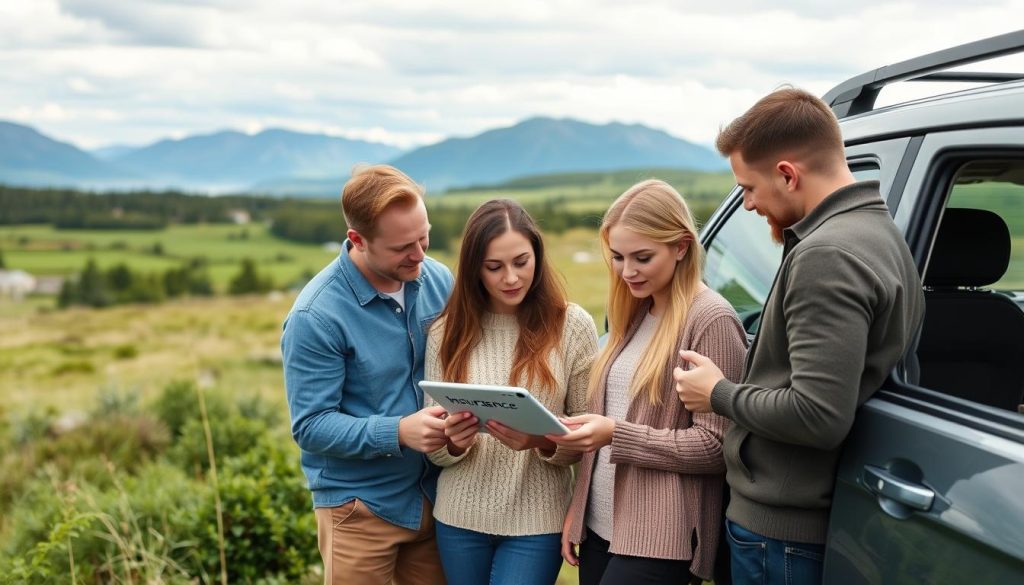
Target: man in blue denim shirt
x,y
353,348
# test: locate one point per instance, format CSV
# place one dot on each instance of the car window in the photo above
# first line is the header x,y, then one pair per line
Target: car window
x,y
972,340
1003,197
742,259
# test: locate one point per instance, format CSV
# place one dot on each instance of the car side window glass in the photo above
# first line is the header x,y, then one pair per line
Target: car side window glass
x,y
972,340
1004,197
742,259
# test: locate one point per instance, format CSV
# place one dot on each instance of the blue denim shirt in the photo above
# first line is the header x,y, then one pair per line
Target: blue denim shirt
x,y
352,358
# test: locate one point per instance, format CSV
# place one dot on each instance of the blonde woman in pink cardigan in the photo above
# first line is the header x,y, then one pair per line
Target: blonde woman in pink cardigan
x,y
647,507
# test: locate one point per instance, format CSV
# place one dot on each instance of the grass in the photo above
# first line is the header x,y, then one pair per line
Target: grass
x,y
63,358
45,250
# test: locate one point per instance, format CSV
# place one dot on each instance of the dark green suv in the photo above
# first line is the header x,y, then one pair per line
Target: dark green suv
x,y
930,488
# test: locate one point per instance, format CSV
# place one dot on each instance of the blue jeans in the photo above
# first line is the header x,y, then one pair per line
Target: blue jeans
x,y
759,560
475,558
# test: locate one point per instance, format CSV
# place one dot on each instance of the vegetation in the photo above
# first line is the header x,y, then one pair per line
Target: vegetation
x,y
148,442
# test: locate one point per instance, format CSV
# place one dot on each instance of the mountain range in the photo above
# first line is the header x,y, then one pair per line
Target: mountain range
x,y
283,162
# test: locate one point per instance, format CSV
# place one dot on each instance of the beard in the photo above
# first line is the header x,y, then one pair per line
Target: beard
x,y
774,225
776,231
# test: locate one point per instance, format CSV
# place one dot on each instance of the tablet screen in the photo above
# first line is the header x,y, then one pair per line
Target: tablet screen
x,y
512,406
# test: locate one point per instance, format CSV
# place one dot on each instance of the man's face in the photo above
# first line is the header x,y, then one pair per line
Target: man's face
x,y
764,192
403,236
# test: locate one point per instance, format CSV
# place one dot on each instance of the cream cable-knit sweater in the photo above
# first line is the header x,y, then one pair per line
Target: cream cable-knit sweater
x,y
491,488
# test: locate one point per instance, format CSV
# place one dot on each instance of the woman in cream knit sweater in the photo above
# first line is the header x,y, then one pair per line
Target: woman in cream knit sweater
x,y
502,495
648,501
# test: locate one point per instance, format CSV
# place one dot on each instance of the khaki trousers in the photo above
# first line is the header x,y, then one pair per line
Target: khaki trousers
x,y
359,548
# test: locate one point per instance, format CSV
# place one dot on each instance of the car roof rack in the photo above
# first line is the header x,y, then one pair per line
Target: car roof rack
x,y
857,94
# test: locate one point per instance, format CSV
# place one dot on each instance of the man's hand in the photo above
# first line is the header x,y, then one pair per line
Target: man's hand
x,y
423,430
588,432
517,441
694,386
461,429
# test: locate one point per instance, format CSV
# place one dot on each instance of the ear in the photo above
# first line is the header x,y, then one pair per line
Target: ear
x,y
681,249
789,174
357,239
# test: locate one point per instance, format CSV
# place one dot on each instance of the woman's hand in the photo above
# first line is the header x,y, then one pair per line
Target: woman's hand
x,y
568,548
588,432
517,441
461,429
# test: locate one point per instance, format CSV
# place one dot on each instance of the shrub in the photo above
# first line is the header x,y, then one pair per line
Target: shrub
x,y
74,367
249,280
125,351
123,441
134,530
178,403
270,530
232,435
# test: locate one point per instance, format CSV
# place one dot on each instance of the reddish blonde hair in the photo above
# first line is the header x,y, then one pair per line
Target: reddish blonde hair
x,y
371,190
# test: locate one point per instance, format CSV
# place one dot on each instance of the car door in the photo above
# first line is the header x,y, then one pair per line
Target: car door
x,y
930,487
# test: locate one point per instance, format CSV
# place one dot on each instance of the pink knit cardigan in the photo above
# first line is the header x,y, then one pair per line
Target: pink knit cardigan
x,y
669,473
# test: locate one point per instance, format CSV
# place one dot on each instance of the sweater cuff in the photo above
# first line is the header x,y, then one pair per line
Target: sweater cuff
x,y
562,457
629,443
722,398
443,458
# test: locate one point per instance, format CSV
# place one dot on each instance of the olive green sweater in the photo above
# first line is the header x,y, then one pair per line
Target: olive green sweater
x,y
844,308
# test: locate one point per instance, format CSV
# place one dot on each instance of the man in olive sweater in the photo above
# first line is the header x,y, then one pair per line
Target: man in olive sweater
x,y
844,308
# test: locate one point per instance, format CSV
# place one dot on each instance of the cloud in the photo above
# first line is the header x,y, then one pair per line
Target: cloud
x,y
410,72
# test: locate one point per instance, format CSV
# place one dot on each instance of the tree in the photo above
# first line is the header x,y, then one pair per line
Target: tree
x,y
92,287
3,265
248,280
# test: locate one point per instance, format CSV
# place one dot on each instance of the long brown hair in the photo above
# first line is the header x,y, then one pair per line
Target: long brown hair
x,y
541,314
656,211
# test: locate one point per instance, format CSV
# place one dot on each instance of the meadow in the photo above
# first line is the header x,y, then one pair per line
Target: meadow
x,y
89,508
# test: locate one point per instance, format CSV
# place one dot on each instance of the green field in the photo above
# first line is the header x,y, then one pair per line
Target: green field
x,y
592,192
44,250
62,358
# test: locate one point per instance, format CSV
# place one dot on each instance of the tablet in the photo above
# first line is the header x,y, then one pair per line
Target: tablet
x,y
510,405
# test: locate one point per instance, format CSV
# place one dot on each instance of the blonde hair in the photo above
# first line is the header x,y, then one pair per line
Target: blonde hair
x,y
656,211
371,190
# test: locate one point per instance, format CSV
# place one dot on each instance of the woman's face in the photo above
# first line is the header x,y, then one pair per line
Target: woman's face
x,y
508,270
644,265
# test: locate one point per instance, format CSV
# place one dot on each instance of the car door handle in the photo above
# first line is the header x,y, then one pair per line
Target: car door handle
x,y
883,483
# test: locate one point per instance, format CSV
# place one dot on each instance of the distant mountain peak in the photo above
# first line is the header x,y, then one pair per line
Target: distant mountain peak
x,y
542,144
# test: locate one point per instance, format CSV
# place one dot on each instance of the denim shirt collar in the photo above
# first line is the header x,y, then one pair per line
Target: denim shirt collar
x,y
361,287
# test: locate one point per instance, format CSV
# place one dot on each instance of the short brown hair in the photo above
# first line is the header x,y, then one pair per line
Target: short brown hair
x,y
786,122
371,190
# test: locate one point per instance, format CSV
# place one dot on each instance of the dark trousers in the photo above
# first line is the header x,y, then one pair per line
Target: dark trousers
x,y
600,567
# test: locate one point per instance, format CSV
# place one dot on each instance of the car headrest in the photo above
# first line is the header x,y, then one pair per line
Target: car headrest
x,y
972,248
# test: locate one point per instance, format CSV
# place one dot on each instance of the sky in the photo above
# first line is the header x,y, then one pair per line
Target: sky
x,y
129,72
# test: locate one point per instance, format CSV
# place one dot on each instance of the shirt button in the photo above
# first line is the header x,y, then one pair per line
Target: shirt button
x,y
398,309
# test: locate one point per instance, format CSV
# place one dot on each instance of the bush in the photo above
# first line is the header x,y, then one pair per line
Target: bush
x,y
73,367
178,403
85,453
249,280
232,435
134,530
269,528
125,351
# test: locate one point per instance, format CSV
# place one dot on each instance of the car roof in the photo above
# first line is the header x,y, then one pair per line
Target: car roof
x,y
1000,104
